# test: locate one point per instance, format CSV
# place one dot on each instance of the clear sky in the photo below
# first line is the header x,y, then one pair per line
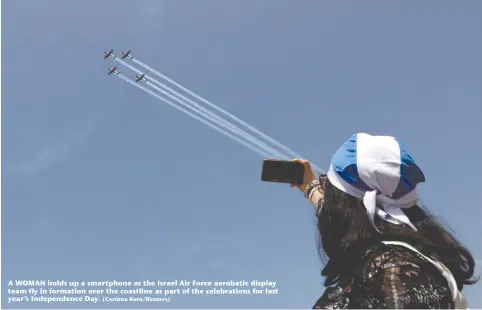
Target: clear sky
x,y
102,181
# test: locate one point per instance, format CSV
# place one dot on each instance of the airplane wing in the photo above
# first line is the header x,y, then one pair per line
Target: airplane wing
x,y
109,53
126,54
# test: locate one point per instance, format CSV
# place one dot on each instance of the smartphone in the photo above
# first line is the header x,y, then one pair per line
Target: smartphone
x,y
282,171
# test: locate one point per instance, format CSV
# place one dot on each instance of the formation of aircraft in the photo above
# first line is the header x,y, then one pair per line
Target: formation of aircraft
x,y
141,77
109,54
113,70
126,54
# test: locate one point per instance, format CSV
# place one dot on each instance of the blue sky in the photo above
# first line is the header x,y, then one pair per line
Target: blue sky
x,y
102,181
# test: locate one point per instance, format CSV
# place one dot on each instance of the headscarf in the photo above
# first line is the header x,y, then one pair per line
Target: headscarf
x,y
381,171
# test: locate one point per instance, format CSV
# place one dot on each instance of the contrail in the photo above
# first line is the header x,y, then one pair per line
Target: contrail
x,y
214,117
195,116
280,145
315,168
260,144
208,114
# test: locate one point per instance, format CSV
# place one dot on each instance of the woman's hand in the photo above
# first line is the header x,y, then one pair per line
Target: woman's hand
x,y
308,177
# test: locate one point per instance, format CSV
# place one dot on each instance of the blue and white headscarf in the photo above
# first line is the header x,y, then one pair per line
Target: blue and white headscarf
x,y
380,170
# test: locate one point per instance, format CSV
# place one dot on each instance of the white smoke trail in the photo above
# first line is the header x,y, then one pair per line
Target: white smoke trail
x,y
207,114
195,116
267,148
280,145
211,114
213,117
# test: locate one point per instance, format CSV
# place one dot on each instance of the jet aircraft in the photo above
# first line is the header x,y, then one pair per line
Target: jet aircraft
x,y
127,54
109,54
113,70
141,77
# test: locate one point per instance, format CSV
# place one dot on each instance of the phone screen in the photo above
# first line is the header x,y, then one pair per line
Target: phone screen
x,y
282,171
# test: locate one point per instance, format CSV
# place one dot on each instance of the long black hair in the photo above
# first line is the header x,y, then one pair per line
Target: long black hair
x,y
346,232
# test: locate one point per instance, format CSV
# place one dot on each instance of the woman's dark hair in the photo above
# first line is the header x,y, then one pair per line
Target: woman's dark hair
x,y
346,232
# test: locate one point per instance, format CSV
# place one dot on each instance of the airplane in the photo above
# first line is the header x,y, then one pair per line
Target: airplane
x,y
113,70
109,54
124,55
141,77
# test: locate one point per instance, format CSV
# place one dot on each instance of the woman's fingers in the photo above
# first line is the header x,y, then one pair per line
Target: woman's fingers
x,y
308,175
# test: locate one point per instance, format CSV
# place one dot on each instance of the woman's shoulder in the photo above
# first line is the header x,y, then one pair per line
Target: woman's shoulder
x,y
383,256
390,276
402,273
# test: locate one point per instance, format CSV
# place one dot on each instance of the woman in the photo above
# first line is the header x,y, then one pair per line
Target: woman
x,y
383,250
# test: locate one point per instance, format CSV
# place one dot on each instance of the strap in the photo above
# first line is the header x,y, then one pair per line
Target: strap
x,y
459,299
